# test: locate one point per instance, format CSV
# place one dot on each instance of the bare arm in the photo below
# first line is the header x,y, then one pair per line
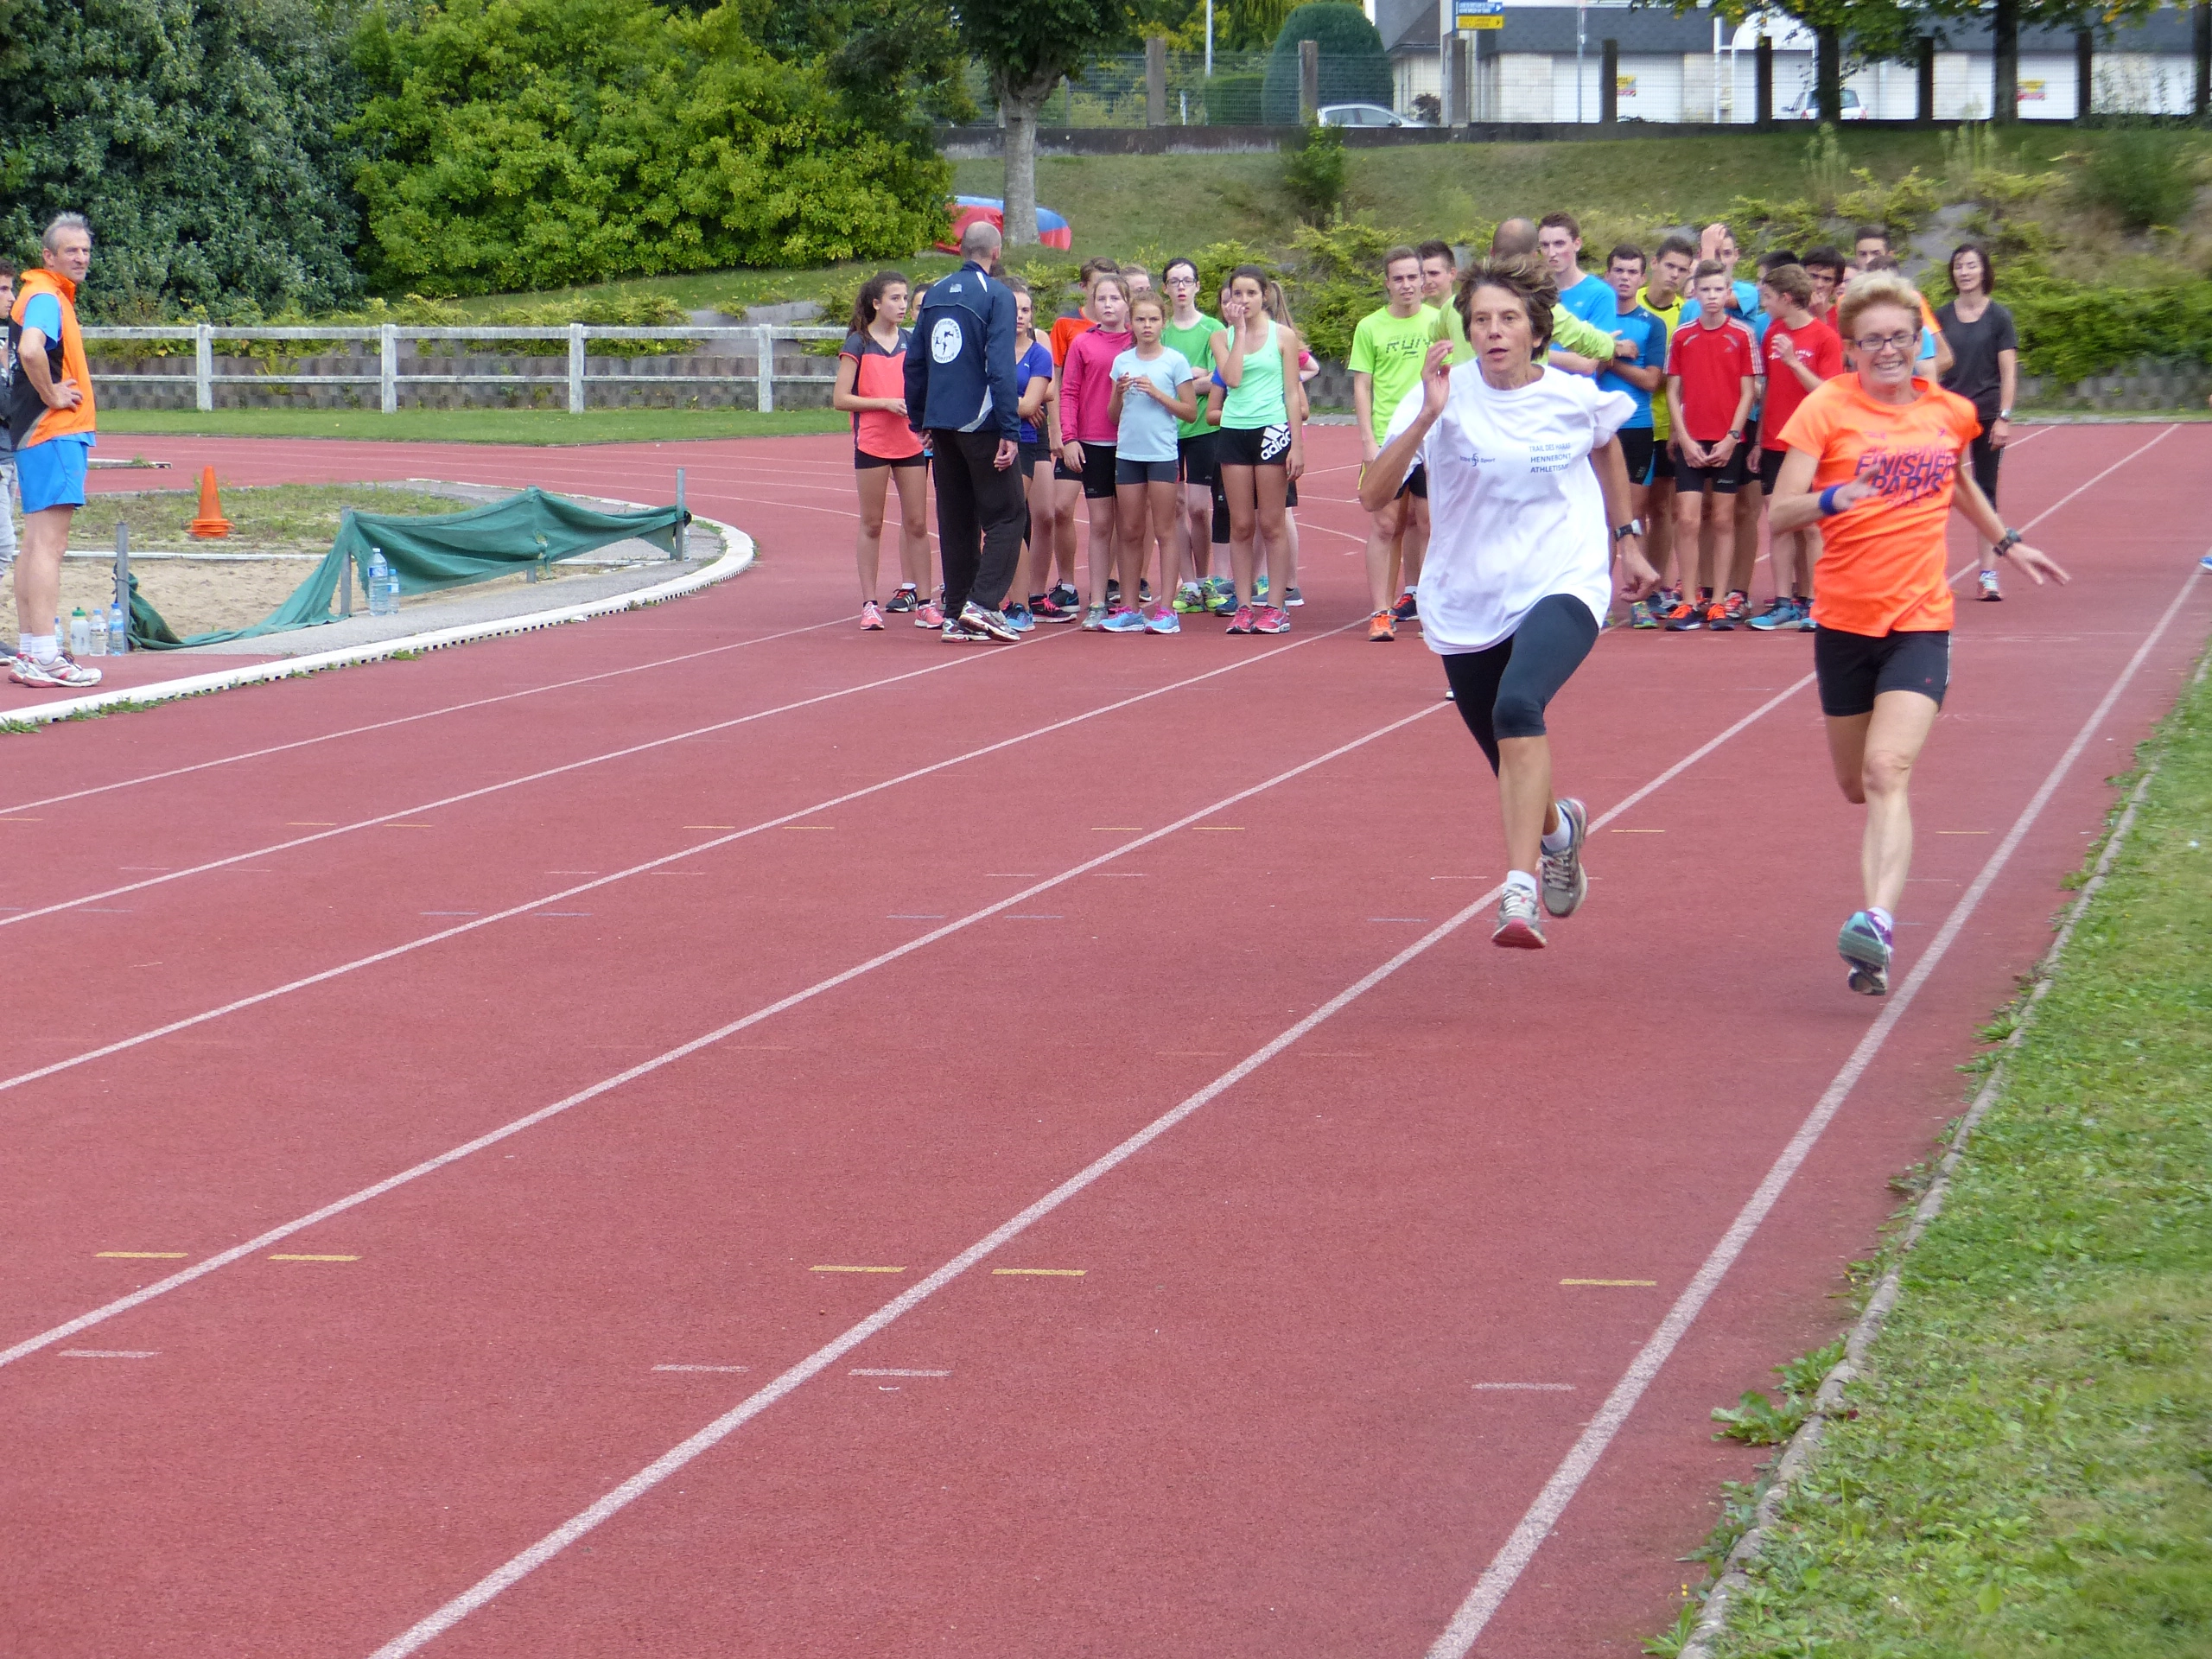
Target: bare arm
x,y
842,395
1383,477
1644,379
1032,398
2008,386
1185,403
1794,506
1693,451
1362,412
1228,349
1293,401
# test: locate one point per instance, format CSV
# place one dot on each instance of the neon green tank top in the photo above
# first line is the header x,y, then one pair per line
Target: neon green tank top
x,y
1256,401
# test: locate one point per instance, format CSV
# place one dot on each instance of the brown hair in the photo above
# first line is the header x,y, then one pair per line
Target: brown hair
x,y
871,296
1094,268
7,270
1626,253
1824,259
1793,282
1147,297
1436,249
1873,288
1561,222
1677,243
1101,278
1870,233
1525,276
1402,252
1706,268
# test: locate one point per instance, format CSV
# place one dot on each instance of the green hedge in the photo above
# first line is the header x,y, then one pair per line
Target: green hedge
x,y
2070,332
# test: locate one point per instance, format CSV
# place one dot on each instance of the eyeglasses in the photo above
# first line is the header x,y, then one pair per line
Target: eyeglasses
x,y
1873,343
1182,281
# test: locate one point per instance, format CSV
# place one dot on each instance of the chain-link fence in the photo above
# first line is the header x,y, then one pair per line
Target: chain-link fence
x,y
1114,92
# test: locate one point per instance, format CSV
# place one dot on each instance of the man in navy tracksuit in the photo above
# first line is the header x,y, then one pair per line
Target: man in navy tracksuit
x,y
960,390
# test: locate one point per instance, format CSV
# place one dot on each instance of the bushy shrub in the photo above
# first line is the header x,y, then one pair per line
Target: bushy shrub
x,y
1315,167
2072,331
537,144
201,139
2138,175
1234,101
1354,67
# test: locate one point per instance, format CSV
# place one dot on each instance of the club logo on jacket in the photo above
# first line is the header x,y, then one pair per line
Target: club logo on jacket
x,y
944,340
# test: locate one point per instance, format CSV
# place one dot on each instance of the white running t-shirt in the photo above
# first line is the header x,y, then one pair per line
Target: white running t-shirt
x,y
1514,509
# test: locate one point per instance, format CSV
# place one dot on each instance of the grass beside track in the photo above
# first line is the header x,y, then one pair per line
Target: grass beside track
x,y
466,425
2029,1469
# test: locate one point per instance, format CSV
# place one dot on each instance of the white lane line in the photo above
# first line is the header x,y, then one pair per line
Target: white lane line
x,y
682,1051
402,813
1528,1535
111,1353
888,1373
1533,1388
427,714
701,1368
533,907
821,1359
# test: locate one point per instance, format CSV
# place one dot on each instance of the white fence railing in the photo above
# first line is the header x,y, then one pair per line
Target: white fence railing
x,y
761,339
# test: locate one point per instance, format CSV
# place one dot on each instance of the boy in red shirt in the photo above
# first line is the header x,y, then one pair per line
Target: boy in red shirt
x,y
1712,382
1800,352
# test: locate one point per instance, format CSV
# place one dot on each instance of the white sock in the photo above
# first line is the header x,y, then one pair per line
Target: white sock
x,y
1883,920
1558,840
40,647
1409,591
1521,879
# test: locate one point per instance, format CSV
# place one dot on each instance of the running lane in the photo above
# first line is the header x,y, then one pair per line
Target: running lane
x,y
1254,1421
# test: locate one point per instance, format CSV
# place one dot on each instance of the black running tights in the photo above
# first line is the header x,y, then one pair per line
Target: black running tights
x,y
1503,691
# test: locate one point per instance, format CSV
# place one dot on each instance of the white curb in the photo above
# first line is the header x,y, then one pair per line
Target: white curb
x,y
738,553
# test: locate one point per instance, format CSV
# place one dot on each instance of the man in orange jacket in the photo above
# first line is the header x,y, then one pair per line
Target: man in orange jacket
x,y
50,418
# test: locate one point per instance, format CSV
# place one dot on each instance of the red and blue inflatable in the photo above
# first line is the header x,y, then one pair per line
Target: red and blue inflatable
x,y
1052,230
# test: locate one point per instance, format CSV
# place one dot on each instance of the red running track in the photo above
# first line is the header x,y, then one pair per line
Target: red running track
x,y
1285,1378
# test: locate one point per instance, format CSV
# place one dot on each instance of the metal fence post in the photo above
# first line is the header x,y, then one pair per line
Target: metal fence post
x,y
203,367
575,368
346,570
122,586
388,377
765,398
681,547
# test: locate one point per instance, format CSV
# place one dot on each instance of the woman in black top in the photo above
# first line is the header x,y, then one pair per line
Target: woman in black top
x,y
1985,370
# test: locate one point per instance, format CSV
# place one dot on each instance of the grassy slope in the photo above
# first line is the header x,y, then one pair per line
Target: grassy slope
x,y
470,425
2031,1468
270,516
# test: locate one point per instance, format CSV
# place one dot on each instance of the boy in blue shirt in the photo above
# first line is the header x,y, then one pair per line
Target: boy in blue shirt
x,y
1559,240
1639,373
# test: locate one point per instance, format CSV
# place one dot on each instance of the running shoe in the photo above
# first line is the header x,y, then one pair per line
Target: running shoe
x,y
1639,614
1164,620
1125,622
1804,624
1565,883
1780,614
871,618
64,670
927,615
1986,582
1190,600
1518,927
906,599
1382,628
1740,605
1045,608
956,632
1270,619
1405,610
1865,951
1684,616
1722,615
1067,598
1260,588
1292,599
1144,592
1242,621
1018,619
1112,590
1093,619
1222,601
990,623
2205,564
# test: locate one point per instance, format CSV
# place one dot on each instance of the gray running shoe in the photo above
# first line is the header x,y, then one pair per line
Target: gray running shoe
x,y
1518,927
991,623
1866,953
1565,884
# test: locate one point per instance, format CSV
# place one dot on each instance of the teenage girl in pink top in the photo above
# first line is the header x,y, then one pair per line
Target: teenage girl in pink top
x,y
1088,431
871,388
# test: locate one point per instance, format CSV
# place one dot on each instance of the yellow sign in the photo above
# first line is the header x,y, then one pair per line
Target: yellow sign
x,y
1624,85
2031,92
1469,25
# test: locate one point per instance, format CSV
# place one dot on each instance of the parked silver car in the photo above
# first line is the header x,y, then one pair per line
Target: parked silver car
x,y
1363,115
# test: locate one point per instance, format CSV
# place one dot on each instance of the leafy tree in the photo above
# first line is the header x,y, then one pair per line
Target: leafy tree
x,y
1354,67
1028,47
533,144
200,138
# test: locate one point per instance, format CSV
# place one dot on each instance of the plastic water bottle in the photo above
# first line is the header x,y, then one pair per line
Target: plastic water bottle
x,y
381,593
80,634
118,631
96,634
391,594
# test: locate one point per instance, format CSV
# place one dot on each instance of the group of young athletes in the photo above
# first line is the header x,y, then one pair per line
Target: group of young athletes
x,y
1541,443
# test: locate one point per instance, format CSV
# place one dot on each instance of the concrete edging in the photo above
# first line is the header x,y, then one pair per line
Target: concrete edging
x,y
738,554
1829,1402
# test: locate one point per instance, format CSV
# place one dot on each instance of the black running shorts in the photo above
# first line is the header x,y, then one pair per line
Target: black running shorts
x,y
1854,669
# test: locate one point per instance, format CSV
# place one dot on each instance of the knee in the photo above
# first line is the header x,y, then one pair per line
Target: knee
x,y
1517,714
1881,773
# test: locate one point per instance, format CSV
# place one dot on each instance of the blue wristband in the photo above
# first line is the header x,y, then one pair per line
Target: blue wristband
x,y
1828,501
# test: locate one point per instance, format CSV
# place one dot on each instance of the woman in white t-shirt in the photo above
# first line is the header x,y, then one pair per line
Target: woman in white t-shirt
x,y
1528,505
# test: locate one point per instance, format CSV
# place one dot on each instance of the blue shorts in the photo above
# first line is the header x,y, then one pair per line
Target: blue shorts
x,y
52,474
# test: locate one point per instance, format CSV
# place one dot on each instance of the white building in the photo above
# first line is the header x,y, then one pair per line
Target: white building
x,y
1695,69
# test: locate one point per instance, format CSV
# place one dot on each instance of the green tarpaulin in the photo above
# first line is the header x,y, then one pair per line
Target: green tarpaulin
x,y
445,549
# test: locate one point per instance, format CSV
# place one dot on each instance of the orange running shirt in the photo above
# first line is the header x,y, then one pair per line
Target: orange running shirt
x,y
1062,335
1881,566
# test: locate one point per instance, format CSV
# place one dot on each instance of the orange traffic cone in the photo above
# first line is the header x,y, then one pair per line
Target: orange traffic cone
x,y
210,524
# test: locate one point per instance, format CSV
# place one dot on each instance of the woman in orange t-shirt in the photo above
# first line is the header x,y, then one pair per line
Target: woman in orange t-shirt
x,y
1874,462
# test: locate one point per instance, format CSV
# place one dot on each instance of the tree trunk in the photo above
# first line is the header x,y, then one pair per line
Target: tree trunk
x,y
1022,105
2005,62
1827,72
